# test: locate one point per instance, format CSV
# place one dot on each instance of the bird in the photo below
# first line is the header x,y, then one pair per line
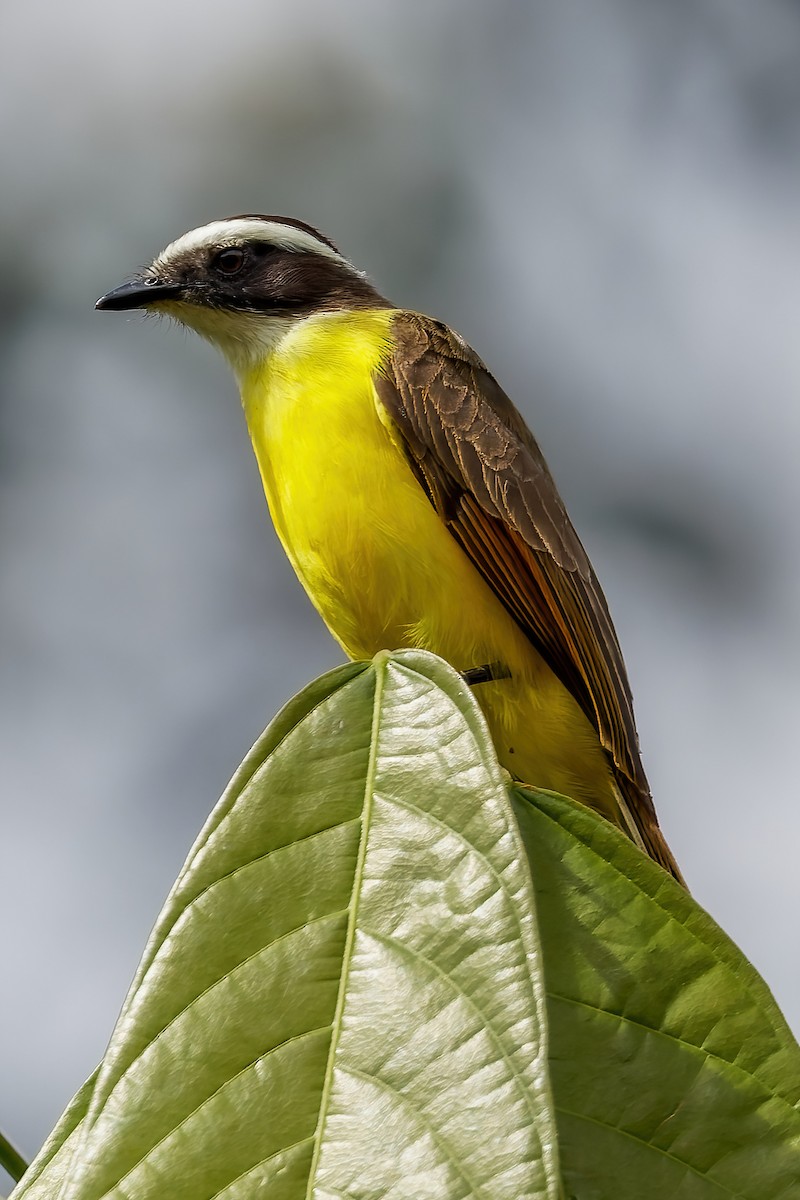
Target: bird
x,y
412,500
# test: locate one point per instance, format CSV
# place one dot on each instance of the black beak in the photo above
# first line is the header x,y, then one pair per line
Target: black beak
x,y
139,294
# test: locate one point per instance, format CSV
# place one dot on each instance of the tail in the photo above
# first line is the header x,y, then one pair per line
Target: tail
x,y
638,819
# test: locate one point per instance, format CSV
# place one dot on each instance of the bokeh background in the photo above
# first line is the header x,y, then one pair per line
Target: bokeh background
x,y
603,198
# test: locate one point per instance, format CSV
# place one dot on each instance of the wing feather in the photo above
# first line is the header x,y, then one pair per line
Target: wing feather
x,y
487,479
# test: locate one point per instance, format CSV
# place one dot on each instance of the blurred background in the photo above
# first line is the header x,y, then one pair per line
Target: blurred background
x,y
603,198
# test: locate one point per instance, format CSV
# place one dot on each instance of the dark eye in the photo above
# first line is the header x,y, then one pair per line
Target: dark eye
x,y
229,261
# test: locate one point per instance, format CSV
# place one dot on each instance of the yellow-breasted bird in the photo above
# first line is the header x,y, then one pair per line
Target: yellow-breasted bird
x,y
412,500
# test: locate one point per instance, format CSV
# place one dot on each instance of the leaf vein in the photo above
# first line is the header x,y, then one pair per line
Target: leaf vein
x,y
672,1037
261,1058
476,1008
216,983
475,1189
626,1133
261,1163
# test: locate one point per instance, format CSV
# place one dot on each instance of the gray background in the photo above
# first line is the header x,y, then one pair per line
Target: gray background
x,y
603,197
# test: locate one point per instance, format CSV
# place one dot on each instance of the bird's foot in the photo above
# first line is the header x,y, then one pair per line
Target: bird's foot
x,y
486,673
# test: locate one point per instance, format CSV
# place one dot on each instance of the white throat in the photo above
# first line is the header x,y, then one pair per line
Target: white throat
x,y
244,339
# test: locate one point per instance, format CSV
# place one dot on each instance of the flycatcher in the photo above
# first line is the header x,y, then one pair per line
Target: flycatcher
x,y
412,500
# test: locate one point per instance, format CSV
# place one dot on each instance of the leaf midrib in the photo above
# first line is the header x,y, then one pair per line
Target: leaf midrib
x,y
347,956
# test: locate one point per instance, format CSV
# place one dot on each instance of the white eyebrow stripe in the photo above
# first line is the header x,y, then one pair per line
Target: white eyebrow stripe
x,y
232,233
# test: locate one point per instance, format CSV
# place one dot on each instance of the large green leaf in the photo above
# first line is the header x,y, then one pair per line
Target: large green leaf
x,y
343,995
673,1071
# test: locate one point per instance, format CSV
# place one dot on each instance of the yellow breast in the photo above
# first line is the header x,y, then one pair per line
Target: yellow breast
x,y
328,465
371,551
358,529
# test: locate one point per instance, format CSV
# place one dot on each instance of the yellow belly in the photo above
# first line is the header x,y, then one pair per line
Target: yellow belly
x,y
376,560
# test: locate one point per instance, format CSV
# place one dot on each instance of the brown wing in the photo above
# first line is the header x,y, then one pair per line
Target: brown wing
x,y
487,479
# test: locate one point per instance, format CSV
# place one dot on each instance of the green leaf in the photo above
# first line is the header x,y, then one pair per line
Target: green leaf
x,y
674,1072
10,1158
343,995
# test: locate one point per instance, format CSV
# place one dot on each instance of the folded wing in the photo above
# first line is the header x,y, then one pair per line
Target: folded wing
x,y
487,479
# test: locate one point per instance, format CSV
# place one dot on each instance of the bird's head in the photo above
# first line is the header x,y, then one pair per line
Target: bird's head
x,y
244,281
